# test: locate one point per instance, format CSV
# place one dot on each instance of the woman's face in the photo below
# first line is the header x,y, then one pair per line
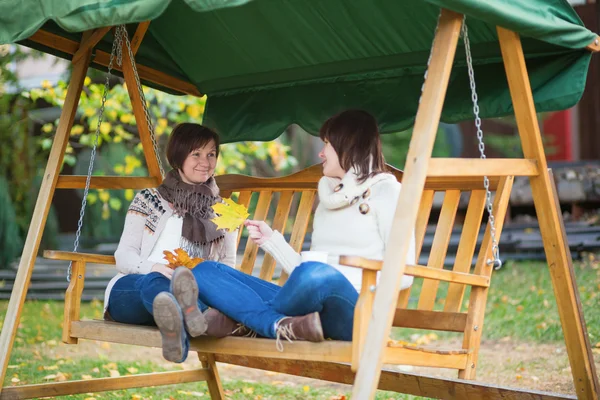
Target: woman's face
x,y
200,164
331,161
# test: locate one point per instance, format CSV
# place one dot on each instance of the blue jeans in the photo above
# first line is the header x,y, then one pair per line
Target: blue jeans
x,y
258,304
131,298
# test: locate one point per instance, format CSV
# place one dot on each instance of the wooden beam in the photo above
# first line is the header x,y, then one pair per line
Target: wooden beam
x,y
40,213
413,183
550,220
138,36
103,384
475,167
83,257
106,182
594,46
137,103
73,300
90,43
103,58
416,385
213,380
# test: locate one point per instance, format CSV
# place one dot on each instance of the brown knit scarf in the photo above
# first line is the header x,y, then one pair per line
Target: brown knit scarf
x,y
199,236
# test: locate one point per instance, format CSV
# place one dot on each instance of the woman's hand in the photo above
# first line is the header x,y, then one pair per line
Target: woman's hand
x,y
259,231
163,269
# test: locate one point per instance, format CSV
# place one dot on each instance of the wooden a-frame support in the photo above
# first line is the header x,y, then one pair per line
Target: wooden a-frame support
x,y
368,376
415,173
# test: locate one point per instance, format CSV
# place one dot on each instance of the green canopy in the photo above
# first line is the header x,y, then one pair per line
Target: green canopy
x,y
266,64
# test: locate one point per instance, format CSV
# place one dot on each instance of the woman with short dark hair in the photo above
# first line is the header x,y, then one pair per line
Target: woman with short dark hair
x,y
357,201
174,215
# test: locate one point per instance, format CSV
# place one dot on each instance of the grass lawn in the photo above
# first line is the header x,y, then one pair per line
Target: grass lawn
x,y
521,307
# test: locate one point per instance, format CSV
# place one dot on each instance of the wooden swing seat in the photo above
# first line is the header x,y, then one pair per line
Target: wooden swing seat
x,y
275,198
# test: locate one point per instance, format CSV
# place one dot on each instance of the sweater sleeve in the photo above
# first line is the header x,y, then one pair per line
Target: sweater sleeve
x,y
230,252
282,252
127,255
386,208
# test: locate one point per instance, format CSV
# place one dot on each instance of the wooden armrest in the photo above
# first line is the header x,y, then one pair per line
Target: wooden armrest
x,y
420,271
71,256
360,262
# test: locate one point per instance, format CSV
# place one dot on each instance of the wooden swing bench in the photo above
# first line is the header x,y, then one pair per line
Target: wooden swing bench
x,y
279,195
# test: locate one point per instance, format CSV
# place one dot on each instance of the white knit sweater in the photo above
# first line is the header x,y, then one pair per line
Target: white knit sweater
x,y
339,228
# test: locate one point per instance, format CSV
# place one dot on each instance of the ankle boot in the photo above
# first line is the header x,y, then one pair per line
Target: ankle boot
x,y
220,325
185,290
169,319
306,327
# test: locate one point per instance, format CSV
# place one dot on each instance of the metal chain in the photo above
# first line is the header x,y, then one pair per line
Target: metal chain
x,y
143,99
116,50
496,262
437,26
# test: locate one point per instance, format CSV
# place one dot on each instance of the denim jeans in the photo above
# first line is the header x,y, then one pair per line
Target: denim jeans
x,y
131,298
258,304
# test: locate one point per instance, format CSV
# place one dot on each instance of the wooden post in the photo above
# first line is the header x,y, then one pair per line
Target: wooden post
x,y
40,213
140,116
405,218
213,380
550,220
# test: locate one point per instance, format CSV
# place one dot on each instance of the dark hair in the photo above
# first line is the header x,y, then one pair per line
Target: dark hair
x,y
355,138
187,137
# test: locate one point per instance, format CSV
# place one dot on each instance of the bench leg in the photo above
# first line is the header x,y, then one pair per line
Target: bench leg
x,y
213,380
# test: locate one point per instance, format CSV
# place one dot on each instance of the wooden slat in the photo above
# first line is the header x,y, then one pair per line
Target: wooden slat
x,y
40,212
420,230
73,300
594,47
475,167
300,225
243,199
405,217
362,315
262,209
138,36
85,257
478,296
423,358
439,248
459,183
102,384
279,223
413,384
466,248
330,350
89,43
426,349
106,182
434,320
549,217
103,58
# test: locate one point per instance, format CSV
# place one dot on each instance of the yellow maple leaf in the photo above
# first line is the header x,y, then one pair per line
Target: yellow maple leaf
x,y
230,215
180,258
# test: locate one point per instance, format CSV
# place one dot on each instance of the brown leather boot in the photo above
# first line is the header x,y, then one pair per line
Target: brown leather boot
x,y
220,325
306,327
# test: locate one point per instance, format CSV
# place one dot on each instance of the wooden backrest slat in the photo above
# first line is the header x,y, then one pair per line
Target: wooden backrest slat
x,y
499,208
279,222
300,224
244,199
439,247
466,248
420,230
436,320
262,209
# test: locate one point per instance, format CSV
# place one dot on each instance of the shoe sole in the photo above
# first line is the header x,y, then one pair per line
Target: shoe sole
x,y
169,320
185,290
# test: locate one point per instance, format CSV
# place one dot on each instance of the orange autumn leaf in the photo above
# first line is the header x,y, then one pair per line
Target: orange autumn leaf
x,y
180,258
